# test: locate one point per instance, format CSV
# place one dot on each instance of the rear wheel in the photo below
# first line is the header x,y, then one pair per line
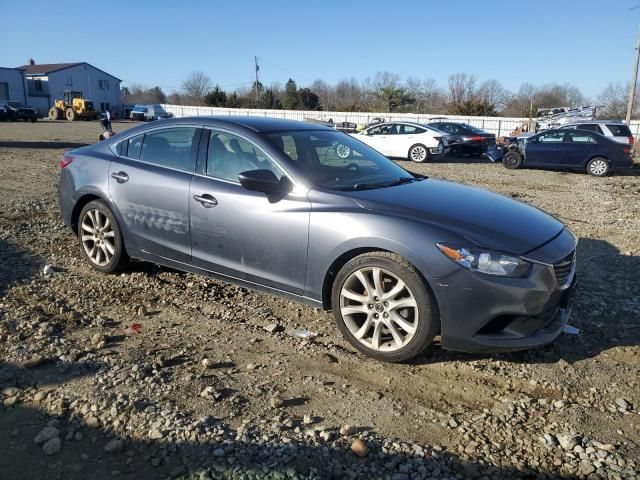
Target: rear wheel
x,y
419,153
71,114
512,160
598,167
383,307
100,238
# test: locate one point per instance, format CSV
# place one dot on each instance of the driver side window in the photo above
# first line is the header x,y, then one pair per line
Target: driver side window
x,y
229,155
554,137
380,130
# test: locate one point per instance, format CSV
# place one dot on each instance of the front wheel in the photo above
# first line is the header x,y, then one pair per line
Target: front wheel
x,y
598,167
512,160
383,308
100,238
419,153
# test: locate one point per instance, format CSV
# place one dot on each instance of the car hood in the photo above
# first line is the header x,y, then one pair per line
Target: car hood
x,y
487,219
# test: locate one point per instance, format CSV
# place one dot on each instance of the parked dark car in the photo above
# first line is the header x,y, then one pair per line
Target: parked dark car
x,y
276,205
18,111
465,139
3,113
562,149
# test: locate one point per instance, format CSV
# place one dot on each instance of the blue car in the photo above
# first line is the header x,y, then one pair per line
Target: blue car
x,y
312,214
559,149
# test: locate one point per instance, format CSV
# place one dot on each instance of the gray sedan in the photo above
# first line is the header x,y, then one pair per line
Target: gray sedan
x,y
312,214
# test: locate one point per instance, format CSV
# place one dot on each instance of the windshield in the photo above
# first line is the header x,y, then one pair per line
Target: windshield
x,y
337,161
139,109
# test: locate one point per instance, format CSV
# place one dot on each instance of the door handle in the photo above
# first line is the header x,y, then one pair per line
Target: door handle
x,y
121,177
206,200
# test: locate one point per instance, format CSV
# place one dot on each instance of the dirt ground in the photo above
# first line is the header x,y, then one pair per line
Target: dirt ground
x,y
68,361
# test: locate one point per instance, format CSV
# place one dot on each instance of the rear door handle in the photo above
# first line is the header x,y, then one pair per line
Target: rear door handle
x,y
206,200
121,177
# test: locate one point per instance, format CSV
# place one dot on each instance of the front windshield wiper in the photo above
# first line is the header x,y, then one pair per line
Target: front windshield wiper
x,y
372,185
403,180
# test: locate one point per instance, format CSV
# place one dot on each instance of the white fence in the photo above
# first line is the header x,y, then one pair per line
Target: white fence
x,y
497,125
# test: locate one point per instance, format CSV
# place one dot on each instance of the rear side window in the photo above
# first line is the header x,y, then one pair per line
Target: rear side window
x,y
579,137
170,147
133,147
409,129
592,127
619,130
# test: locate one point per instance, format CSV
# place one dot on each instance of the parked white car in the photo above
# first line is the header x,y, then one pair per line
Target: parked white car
x,y
412,141
613,129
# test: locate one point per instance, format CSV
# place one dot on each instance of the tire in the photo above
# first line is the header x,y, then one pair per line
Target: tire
x,y
357,312
512,160
107,254
598,167
34,120
54,113
71,115
419,153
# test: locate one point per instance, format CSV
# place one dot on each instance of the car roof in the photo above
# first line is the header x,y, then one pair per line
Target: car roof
x,y
579,130
257,124
618,122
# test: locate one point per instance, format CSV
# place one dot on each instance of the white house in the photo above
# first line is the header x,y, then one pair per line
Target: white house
x,y
47,82
13,85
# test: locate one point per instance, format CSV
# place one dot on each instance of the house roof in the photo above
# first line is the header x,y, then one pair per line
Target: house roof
x,y
47,68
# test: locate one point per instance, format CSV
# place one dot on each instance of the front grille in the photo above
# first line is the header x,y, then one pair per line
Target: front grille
x,y
564,268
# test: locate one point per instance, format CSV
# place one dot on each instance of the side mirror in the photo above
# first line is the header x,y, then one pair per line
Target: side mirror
x,y
264,181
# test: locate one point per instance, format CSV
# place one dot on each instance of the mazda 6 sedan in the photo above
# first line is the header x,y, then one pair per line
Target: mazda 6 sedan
x,y
277,206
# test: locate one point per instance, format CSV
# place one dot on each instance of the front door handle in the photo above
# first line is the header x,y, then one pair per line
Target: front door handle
x,y
121,177
206,200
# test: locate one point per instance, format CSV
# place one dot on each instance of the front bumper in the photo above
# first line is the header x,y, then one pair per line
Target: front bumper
x,y
481,313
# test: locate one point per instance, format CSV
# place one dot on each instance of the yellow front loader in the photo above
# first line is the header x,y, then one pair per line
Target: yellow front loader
x,y
73,107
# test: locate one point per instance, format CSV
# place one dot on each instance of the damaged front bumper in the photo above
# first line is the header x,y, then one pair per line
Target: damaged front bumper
x,y
482,313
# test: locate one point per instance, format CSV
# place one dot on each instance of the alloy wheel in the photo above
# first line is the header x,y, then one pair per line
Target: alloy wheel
x,y
379,309
98,237
418,153
598,167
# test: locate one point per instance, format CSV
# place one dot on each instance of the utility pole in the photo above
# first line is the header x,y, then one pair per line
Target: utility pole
x,y
634,81
255,60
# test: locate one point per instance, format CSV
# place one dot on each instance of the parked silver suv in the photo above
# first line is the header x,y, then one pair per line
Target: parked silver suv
x,y
613,129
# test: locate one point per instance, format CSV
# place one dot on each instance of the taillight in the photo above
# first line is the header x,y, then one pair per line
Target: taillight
x,y
476,138
631,139
65,160
627,150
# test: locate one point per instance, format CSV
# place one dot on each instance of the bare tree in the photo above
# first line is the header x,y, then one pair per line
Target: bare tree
x,y
196,86
613,99
462,88
493,93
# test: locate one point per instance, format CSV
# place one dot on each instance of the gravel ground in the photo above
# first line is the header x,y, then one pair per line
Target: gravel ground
x,y
155,373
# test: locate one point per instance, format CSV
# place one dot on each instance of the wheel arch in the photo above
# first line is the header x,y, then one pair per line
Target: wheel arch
x,y
336,266
129,245
347,256
79,205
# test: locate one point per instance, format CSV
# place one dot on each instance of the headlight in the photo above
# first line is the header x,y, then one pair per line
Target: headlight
x,y
485,261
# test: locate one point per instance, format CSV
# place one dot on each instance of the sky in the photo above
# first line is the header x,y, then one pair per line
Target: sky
x,y
588,43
